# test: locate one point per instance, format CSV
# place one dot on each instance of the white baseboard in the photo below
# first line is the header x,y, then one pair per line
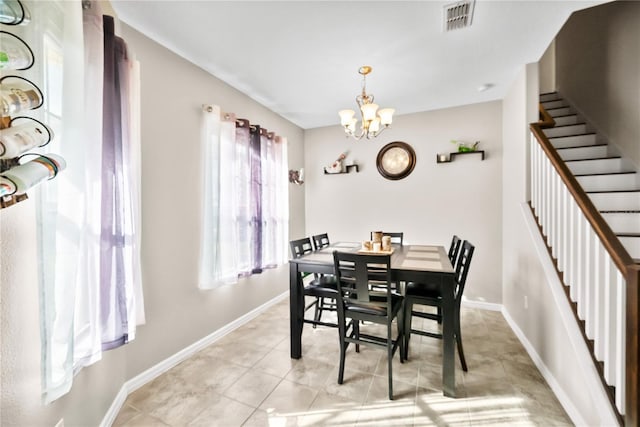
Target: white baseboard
x,y
150,374
115,407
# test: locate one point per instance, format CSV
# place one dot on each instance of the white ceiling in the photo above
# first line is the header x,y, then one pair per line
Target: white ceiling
x,y
301,58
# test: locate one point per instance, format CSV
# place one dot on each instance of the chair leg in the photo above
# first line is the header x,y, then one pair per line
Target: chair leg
x,y
343,351
342,330
400,321
463,362
390,359
356,333
318,311
407,326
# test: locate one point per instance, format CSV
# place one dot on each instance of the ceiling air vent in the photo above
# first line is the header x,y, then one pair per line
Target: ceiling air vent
x,y
458,15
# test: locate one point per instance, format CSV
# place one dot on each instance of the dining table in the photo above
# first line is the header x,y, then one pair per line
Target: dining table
x,y
409,263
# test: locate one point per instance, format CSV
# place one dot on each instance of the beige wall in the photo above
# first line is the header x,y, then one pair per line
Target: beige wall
x,y
598,69
178,314
516,121
173,91
431,204
547,69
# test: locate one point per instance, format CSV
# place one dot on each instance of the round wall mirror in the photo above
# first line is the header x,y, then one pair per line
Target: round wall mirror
x,y
396,160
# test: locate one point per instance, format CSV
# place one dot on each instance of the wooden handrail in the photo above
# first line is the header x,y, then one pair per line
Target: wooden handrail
x,y
619,255
612,244
546,121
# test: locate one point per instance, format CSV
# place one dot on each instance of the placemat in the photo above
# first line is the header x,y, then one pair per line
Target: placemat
x,y
422,264
422,248
423,255
372,252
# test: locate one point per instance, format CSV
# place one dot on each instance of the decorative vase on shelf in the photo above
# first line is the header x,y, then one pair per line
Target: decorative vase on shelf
x,y
336,167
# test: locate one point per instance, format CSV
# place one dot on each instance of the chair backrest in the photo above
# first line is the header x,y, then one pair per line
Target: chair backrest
x,y
462,268
354,272
454,249
397,238
321,241
300,247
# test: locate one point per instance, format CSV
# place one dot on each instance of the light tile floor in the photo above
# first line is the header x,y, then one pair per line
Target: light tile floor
x,y
247,378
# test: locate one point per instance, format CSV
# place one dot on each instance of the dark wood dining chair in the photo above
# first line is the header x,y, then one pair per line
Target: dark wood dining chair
x,y
397,238
321,287
320,241
429,294
357,303
454,249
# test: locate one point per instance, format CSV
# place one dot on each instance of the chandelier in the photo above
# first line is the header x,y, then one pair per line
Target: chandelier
x,y
374,121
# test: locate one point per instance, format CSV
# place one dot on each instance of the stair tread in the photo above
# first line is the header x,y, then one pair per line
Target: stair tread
x,y
549,93
581,146
564,126
575,134
605,173
556,108
620,211
628,234
613,191
593,158
566,115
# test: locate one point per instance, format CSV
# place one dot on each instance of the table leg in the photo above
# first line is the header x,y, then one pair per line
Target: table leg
x,y
296,311
448,338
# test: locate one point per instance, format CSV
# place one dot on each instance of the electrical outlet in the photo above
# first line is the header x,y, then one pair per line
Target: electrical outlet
x,y
526,302
60,423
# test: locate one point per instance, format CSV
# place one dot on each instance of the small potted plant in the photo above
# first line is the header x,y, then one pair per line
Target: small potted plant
x,y
464,147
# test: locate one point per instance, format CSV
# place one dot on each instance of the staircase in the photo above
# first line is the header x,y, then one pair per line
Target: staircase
x,y
586,200
611,182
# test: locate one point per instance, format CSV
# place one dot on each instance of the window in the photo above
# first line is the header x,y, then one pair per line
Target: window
x,y
245,201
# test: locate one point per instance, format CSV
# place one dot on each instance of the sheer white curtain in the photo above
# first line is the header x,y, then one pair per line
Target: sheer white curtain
x,y
245,199
275,210
74,295
281,210
58,213
218,245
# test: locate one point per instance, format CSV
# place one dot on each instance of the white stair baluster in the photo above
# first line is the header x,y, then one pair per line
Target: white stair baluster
x,y
568,274
547,196
538,169
610,322
585,310
554,214
564,224
575,252
599,274
543,191
534,174
621,333
557,230
579,282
